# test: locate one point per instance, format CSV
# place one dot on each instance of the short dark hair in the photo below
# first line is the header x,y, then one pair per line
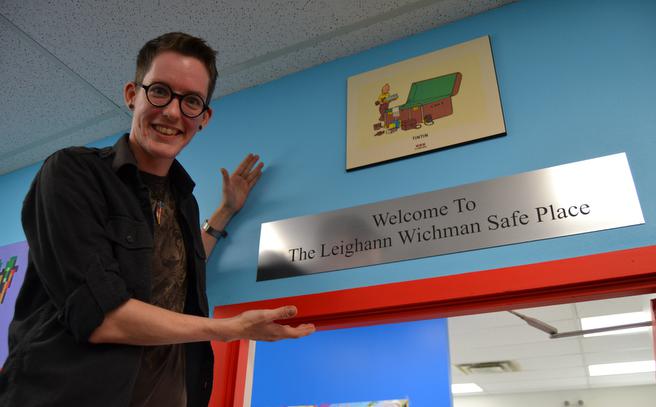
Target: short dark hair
x,y
184,44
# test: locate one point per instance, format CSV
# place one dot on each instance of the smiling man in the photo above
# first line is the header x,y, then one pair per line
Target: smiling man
x,y
113,310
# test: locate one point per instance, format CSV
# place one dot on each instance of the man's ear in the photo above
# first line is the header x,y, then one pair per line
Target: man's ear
x,y
207,115
129,94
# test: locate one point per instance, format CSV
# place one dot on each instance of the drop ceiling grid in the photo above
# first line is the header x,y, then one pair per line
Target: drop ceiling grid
x,y
619,355
96,39
610,306
113,124
265,26
510,335
551,362
547,364
569,383
267,67
634,379
43,97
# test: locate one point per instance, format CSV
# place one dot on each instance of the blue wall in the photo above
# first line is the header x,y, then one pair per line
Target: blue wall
x,y
375,363
576,80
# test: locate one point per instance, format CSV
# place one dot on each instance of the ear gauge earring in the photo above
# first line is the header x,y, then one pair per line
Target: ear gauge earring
x,y
200,127
131,106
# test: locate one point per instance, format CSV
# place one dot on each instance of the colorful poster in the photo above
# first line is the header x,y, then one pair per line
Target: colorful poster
x,y
13,262
432,101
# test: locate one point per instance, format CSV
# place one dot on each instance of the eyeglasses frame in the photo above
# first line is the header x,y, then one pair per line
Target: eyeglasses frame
x,y
174,95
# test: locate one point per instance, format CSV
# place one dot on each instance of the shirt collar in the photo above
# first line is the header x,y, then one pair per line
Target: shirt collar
x,y
123,158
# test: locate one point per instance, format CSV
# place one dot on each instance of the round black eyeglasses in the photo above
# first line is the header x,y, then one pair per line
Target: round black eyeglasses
x,y
160,95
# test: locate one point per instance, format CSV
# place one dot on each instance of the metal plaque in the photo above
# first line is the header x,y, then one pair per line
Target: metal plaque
x,y
568,199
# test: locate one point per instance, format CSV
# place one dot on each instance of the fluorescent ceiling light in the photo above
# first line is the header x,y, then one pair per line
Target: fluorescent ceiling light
x,y
464,388
604,321
643,366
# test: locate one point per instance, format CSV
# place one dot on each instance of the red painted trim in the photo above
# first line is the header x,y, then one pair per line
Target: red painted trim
x,y
242,368
599,276
226,356
653,325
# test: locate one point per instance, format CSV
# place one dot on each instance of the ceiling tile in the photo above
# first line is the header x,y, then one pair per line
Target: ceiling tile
x,y
551,362
641,340
537,385
113,123
614,306
634,379
617,355
546,348
44,97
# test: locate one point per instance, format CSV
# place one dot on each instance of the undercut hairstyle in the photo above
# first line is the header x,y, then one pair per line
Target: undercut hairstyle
x,y
181,43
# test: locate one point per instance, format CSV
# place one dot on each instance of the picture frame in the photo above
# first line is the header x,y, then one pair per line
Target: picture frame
x,y
433,101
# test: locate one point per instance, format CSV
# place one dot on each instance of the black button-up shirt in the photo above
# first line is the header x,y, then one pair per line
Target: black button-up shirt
x,y
89,226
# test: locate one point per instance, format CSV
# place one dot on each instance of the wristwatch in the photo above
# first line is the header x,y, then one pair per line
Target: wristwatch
x,y
217,234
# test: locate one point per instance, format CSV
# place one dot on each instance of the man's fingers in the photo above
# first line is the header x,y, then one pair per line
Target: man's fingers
x,y
285,312
254,175
290,332
245,168
225,175
306,329
248,164
253,159
242,166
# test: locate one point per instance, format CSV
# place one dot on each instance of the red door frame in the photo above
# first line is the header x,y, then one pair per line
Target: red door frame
x,y
593,277
653,324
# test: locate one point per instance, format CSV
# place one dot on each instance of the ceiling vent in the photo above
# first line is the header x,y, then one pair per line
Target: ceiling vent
x,y
488,367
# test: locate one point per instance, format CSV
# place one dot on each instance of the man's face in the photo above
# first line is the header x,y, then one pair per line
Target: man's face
x,y
158,134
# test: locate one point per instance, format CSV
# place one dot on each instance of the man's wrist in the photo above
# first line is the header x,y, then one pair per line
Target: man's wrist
x,y
223,330
216,233
222,216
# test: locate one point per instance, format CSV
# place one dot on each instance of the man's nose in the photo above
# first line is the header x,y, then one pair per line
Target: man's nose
x,y
173,109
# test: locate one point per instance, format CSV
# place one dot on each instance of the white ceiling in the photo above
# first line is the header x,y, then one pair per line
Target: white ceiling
x,y
548,364
63,63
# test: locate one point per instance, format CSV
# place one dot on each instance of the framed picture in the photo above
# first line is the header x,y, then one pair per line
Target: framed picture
x,y
441,99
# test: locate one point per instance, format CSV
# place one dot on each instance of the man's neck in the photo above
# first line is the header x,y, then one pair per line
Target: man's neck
x,y
145,163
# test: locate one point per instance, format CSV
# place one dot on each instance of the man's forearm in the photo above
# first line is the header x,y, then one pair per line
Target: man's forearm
x,y
138,323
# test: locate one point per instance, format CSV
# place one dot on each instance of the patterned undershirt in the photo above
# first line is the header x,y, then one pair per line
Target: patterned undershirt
x,y
161,378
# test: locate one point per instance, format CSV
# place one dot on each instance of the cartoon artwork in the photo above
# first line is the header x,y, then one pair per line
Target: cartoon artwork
x,y
6,276
13,261
428,100
442,99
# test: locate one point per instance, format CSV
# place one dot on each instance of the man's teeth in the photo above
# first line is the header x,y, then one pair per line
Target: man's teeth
x,y
166,130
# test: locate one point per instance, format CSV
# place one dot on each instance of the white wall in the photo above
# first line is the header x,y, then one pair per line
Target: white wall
x,y
633,396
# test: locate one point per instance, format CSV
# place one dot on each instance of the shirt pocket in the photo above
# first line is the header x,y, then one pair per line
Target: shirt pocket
x,y
132,251
129,233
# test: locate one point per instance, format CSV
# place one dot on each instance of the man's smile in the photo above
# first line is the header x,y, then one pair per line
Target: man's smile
x,y
167,131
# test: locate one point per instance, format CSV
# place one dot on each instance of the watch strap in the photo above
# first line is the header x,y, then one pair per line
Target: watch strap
x,y
217,234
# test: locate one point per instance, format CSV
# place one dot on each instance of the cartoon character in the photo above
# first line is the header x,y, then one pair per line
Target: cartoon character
x,y
383,102
427,101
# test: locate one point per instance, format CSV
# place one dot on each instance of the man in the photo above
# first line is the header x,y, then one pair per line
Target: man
x,y
113,310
